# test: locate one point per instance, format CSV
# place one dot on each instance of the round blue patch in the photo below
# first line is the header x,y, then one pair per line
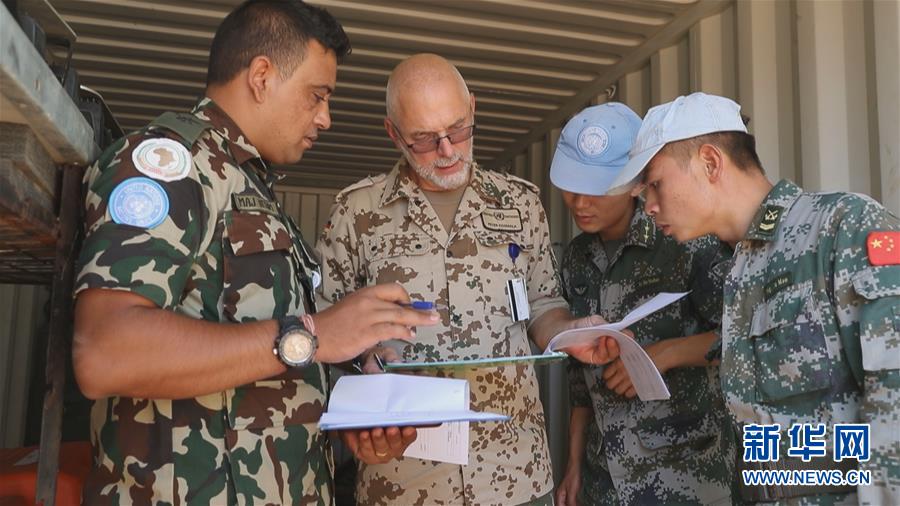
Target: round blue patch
x,y
139,202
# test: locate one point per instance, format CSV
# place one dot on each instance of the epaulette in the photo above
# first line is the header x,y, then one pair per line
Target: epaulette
x,y
524,182
363,183
186,126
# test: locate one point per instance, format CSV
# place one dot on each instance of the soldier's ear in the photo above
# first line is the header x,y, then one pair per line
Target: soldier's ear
x,y
712,160
260,74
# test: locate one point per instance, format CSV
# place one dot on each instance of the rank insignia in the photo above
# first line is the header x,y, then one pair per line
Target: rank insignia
x,y
770,219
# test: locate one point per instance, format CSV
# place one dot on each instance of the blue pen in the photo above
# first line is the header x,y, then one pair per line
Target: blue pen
x,y
424,305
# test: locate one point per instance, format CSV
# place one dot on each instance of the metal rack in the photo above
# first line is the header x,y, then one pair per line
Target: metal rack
x,y
45,143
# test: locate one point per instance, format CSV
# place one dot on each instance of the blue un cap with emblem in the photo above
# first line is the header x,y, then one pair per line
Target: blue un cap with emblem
x,y
593,148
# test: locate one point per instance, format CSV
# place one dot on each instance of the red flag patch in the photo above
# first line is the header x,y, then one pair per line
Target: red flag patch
x,y
884,248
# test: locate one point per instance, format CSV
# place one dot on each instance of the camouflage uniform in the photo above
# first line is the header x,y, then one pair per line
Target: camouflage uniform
x,y
676,451
224,253
811,330
383,229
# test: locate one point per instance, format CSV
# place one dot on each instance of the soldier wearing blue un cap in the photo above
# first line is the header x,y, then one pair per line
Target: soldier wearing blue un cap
x,y
623,450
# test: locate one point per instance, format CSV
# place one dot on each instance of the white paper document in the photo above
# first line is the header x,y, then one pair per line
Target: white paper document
x,y
384,400
447,443
648,382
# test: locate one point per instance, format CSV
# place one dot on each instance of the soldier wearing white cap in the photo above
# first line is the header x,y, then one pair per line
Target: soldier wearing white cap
x,y
811,321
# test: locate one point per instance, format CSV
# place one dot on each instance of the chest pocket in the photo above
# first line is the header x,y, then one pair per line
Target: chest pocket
x,y
789,345
401,258
879,317
258,277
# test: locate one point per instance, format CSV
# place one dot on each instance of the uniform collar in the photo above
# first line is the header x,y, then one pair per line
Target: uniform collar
x,y
398,184
642,231
238,145
768,217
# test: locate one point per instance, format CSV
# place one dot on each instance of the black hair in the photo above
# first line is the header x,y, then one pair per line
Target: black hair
x,y
739,146
278,29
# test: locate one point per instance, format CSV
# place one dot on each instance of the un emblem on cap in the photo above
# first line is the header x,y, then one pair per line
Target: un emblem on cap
x,y
593,141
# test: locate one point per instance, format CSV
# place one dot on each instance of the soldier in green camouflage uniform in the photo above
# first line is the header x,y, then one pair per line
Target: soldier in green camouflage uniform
x,y
811,323
187,262
624,450
391,228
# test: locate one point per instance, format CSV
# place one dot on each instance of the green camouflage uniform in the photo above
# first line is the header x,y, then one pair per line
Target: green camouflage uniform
x,y
224,253
384,230
677,451
811,330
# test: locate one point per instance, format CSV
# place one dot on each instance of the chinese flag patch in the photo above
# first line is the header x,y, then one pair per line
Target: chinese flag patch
x,y
884,248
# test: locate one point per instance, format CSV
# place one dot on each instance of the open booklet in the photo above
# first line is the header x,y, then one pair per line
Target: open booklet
x,y
648,382
385,400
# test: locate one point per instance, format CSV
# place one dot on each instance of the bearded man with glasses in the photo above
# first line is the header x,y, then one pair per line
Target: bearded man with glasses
x,y
453,233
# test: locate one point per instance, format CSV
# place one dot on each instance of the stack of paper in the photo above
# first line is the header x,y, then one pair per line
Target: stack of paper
x,y
648,382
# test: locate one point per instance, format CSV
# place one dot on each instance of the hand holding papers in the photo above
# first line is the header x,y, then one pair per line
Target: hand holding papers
x,y
647,381
384,400
380,400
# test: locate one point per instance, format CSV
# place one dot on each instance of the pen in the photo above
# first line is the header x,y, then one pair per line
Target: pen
x,y
424,305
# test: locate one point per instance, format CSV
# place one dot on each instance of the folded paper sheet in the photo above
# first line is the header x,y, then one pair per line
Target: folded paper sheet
x,y
647,381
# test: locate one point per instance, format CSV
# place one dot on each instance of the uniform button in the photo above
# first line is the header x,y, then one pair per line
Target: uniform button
x,y
449,254
418,246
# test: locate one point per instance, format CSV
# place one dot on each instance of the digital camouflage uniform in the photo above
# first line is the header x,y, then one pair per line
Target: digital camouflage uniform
x,y
811,330
384,230
225,253
677,451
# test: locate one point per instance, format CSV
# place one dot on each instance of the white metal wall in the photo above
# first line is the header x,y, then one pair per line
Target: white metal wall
x,y
820,81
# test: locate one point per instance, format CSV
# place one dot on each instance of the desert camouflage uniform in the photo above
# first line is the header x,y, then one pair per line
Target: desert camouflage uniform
x,y
811,330
225,253
383,230
678,451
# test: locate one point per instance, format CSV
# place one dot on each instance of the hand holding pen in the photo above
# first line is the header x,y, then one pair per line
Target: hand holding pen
x,y
390,350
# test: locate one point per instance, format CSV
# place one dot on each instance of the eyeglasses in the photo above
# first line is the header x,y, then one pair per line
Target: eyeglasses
x,y
433,143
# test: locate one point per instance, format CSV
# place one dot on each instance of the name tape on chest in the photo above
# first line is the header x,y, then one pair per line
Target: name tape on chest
x,y
502,220
253,203
778,283
162,159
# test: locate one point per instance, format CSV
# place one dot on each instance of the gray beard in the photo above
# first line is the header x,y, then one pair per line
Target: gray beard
x,y
430,172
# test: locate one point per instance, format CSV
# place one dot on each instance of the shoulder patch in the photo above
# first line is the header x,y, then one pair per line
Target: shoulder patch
x,y
364,183
139,202
524,182
186,126
162,158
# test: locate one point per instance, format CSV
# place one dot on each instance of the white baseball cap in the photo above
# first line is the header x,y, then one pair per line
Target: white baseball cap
x,y
683,118
593,148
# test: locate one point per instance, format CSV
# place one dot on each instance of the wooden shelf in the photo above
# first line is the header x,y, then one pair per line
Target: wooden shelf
x,y
41,129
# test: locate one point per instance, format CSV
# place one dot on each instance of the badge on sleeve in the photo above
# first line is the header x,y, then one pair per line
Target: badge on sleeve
x,y
163,159
884,248
139,202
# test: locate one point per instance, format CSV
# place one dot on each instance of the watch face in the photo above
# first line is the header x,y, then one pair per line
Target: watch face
x,y
296,347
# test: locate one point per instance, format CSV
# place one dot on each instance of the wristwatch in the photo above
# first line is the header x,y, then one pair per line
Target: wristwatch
x,y
294,346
